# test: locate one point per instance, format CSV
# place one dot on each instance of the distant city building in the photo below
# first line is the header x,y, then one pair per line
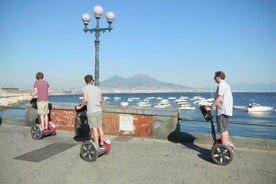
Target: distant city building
x,y
9,90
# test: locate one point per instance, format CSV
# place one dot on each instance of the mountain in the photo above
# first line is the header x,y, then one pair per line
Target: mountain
x,y
141,83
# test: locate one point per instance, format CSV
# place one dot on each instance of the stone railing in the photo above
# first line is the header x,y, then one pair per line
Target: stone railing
x,y
129,121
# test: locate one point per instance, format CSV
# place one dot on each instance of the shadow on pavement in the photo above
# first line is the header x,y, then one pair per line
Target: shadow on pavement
x,y
187,140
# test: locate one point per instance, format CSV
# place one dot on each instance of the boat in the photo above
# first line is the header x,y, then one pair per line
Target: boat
x,y
182,100
124,104
105,98
144,104
255,107
239,107
164,103
131,99
187,107
117,98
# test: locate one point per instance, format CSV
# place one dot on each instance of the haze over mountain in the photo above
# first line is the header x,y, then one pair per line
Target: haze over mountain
x,y
145,83
142,83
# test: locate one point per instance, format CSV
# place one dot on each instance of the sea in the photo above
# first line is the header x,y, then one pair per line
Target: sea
x,y
243,124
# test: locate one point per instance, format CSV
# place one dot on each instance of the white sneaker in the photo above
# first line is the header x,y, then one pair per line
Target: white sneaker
x,y
101,147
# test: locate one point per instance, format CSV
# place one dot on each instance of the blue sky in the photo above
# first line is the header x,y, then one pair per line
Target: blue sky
x,y
180,41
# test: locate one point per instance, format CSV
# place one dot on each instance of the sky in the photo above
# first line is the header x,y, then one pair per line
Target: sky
x,y
179,41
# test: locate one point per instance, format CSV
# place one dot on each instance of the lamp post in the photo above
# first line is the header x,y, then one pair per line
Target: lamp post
x,y
110,16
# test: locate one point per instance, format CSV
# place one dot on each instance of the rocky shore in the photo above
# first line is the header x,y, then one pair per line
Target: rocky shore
x,y
12,100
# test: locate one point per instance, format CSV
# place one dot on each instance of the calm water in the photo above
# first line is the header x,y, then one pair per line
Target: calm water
x,y
197,125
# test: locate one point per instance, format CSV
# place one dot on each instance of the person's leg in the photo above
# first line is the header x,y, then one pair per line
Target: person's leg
x,y
224,137
101,135
42,121
95,135
222,122
43,110
92,121
40,113
46,121
98,116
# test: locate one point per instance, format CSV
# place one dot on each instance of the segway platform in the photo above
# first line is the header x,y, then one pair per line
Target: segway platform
x,y
89,151
37,130
221,154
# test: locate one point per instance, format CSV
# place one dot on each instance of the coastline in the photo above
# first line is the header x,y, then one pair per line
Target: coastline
x,y
8,100
12,100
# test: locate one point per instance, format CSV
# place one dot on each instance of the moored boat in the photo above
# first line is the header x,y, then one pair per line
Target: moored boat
x,y
255,107
186,107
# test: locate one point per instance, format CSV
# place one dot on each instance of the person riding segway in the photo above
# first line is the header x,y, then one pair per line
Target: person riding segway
x,y
92,99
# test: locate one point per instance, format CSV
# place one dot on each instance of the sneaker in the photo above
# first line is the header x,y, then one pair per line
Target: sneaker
x,y
102,147
231,145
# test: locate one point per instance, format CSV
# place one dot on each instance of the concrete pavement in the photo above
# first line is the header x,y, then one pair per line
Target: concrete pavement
x,y
56,159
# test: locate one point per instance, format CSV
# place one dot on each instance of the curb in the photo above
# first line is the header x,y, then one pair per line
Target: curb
x,y
195,138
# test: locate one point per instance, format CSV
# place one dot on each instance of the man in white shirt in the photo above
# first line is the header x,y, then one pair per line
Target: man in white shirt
x,y
224,106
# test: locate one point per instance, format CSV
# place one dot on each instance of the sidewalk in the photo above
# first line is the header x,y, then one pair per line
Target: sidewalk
x,y
131,160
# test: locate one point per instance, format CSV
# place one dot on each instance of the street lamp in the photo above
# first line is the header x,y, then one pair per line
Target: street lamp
x,y
110,16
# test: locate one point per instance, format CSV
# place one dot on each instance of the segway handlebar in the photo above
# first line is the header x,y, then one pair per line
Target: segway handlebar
x,y
83,109
206,114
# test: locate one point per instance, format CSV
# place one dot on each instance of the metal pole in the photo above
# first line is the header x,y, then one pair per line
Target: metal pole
x,y
97,48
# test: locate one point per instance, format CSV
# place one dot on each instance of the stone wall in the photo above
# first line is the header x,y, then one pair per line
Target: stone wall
x,y
129,121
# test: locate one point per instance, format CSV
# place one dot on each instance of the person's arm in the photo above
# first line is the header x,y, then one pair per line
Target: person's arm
x,y
101,98
49,91
84,101
33,94
214,104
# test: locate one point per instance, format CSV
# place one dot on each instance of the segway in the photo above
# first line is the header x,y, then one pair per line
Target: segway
x,y
82,130
89,151
37,131
221,154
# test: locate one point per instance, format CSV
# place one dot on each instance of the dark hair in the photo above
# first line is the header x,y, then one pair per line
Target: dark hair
x,y
88,79
39,75
220,74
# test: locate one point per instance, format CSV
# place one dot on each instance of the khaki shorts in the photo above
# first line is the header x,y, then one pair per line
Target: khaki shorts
x,y
95,119
42,108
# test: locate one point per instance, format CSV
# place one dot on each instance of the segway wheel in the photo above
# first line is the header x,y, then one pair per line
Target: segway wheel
x,y
88,151
221,154
36,132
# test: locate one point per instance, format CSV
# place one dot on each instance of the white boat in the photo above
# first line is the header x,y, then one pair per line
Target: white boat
x,y
187,107
144,104
239,107
116,98
182,100
163,104
131,99
255,107
124,104
105,98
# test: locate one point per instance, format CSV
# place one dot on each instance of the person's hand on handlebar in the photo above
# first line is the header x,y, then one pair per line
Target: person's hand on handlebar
x,y
208,108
